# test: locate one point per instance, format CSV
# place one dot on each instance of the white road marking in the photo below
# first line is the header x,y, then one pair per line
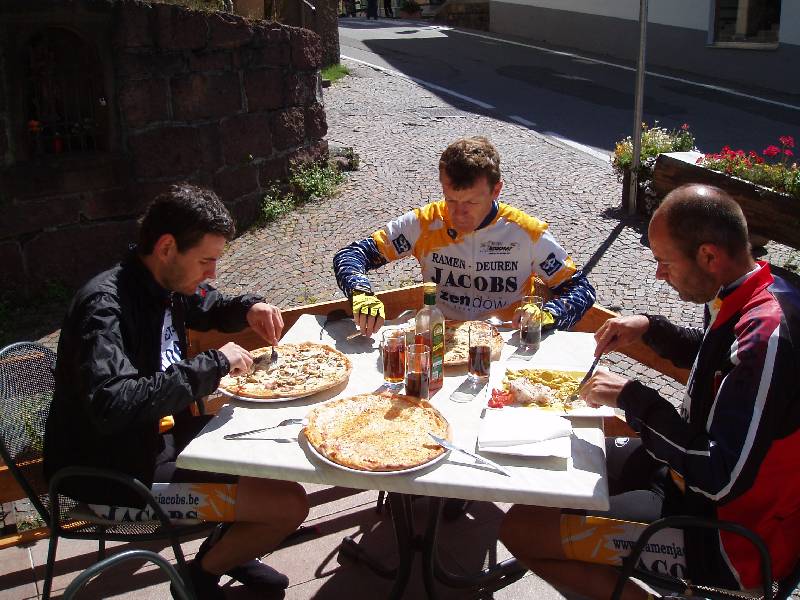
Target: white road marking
x,y
522,121
422,82
571,143
708,86
604,156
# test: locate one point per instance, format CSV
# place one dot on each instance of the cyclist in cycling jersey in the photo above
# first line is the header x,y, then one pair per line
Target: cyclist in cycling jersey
x,y
729,452
482,253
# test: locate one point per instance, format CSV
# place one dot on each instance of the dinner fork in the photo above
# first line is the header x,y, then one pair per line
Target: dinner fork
x,y
285,422
259,362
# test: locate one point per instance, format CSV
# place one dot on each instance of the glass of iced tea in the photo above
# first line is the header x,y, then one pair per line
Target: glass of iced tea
x,y
480,351
394,358
418,370
530,323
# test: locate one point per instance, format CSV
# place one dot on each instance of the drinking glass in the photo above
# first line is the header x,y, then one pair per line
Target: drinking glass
x,y
530,324
480,351
394,358
418,370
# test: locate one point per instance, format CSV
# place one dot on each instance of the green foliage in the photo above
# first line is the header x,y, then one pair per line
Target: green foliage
x,y
206,5
772,168
335,72
306,183
655,140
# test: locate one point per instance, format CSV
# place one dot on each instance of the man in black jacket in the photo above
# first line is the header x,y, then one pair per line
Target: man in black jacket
x,y
122,366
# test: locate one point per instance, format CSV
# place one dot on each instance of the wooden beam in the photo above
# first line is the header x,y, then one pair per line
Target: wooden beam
x,y
640,352
10,489
395,301
26,537
768,213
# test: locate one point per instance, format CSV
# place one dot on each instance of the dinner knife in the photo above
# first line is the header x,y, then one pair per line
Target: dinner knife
x,y
445,444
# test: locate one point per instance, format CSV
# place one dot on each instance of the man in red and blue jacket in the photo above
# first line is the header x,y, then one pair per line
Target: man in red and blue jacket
x,y
730,449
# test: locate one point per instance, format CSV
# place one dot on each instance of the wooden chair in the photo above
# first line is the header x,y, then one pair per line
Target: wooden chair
x,y
26,393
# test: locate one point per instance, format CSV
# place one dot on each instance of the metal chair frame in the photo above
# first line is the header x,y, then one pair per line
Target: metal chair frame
x,y
178,588
63,526
781,591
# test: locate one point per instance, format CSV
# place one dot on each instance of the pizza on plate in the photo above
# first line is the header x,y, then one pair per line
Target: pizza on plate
x,y
456,341
301,370
377,432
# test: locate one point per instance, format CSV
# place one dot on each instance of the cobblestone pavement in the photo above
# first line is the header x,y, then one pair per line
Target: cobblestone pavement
x,y
399,129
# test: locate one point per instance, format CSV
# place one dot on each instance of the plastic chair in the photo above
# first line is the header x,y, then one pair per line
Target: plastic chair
x,y
26,392
772,590
178,588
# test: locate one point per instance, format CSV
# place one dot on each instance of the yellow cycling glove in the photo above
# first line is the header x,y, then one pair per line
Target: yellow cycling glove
x,y
367,304
543,316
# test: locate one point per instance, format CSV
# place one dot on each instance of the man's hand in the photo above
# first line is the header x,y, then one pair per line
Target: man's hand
x,y
368,313
620,331
545,317
603,388
239,358
266,321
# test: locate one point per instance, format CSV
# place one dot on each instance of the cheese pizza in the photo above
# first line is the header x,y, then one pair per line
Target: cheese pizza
x,y
301,370
377,432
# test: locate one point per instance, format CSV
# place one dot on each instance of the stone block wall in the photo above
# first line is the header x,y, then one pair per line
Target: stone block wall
x,y
206,97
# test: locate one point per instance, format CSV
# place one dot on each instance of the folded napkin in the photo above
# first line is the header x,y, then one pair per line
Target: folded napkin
x,y
514,426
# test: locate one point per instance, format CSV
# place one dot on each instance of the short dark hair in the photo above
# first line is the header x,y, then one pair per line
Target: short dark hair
x,y
187,212
468,159
699,214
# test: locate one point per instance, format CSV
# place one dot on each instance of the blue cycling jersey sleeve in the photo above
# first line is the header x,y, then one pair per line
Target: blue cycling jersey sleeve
x,y
351,263
571,301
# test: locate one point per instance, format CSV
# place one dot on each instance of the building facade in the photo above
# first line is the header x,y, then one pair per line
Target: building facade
x,y
755,43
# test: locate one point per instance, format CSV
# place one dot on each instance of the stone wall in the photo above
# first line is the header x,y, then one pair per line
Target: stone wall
x,y
207,97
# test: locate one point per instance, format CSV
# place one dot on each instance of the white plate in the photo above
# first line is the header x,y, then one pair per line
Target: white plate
x,y
328,461
261,400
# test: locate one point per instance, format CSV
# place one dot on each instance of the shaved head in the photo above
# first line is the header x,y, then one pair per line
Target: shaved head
x,y
696,214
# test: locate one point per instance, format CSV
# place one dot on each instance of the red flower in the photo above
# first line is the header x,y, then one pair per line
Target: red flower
x,y
726,149
685,127
771,151
759,160
788,152
787,141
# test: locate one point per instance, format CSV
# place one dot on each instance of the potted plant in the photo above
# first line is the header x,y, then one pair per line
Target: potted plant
x,y
410,9
766,185
655,140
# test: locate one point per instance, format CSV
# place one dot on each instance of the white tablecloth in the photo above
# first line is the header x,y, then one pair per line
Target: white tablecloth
x,y
577,482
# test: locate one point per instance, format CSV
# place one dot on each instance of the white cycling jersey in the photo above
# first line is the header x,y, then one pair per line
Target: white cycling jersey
x,y
486,271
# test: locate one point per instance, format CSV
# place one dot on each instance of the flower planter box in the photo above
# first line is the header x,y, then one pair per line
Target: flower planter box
x,y
769,214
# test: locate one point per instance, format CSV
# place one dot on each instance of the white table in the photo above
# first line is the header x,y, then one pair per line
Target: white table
x,y
576,482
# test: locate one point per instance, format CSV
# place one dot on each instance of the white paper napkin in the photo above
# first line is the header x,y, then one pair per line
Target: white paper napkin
x,y
512,426
521,431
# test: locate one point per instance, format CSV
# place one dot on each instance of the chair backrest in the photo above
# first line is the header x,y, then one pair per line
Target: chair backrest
x,y
26,393
178,587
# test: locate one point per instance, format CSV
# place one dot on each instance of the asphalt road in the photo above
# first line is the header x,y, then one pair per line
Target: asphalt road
x,y
582,99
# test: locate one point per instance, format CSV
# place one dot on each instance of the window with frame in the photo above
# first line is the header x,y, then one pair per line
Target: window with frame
x,y
64,102
747,21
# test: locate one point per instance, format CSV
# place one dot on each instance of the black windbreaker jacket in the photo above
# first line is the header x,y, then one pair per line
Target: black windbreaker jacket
x,y
110,392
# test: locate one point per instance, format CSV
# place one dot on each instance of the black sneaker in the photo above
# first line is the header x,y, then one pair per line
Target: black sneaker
x,y
258,577
204,584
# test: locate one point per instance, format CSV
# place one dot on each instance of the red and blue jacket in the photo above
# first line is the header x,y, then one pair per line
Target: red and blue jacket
x,y
734,444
